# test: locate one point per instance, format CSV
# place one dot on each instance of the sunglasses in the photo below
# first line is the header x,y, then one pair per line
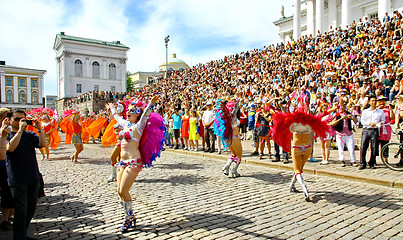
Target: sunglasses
x,y
17,119
134,111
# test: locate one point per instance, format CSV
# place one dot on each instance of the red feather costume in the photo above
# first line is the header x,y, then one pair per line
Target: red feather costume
x,y
282,122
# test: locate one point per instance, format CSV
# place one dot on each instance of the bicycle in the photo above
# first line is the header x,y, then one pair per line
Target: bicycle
x,y
394,153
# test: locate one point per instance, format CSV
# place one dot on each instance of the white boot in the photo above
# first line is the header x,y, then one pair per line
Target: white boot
x,y
225,170
112,177
301,181
292,185
235,173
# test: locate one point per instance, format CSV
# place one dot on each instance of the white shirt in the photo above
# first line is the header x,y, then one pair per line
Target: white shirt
x,y
209,116
369,116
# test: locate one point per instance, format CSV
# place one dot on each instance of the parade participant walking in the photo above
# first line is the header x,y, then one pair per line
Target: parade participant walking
x,y
371,120
76,137
135,151
50,127
298,126
227,129
22,169
343,125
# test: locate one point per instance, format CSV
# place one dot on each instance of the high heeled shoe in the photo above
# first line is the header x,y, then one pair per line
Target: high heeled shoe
x,y
127,223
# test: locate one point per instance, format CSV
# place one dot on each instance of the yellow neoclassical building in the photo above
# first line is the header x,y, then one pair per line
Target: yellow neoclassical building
x,y
21,87
174,64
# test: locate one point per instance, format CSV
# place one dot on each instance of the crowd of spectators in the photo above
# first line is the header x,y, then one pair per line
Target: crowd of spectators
x,y
363,59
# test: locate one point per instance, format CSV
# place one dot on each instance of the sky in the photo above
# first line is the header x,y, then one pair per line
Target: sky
x,y
199,30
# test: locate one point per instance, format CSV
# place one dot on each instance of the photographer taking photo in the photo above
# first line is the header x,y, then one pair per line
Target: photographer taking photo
x,y
22,169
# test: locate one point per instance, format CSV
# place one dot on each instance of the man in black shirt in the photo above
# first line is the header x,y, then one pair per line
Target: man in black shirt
x,y
22,169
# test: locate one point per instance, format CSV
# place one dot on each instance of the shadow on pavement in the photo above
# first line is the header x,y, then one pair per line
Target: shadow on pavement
x,y
64,216
205,221
176,180
271,178
55,184
184,166
370,200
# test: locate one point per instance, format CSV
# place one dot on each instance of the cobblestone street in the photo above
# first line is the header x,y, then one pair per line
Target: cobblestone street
x,y
187,197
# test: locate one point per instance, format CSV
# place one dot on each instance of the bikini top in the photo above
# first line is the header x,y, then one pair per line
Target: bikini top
x,y
236,123
128,128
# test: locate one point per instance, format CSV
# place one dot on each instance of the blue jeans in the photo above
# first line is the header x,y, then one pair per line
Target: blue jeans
x,y
25,198
167,138
277,152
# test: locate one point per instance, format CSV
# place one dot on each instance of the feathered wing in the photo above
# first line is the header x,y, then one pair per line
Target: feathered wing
x,y
152,139
282,122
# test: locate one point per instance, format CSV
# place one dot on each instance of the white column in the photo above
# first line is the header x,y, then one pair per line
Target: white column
x,y
3,87
296,33
15,85
332,14
41,91
105,68
346,13
29,89
282,37
88,68
320,5
123,75
384,6
310,22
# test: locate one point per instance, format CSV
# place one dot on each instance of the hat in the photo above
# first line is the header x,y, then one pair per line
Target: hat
x,y
399,71
382,98
209,103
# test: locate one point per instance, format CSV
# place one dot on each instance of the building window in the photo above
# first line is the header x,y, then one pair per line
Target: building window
x,y
34,97
373,16
78,68
112,71
96,87
95,70
21,82
34,83
78,88
9,81
23,97
9,96
112,88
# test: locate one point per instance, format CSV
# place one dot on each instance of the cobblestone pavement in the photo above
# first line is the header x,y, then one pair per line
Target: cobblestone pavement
x,y
187,197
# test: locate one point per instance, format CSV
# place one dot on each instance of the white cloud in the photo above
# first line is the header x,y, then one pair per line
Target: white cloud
x,y
29,28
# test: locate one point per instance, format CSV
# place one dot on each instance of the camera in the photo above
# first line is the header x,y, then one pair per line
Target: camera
x,y
28,121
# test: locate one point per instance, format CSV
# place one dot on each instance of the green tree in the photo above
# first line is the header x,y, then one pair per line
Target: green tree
x,y
129,83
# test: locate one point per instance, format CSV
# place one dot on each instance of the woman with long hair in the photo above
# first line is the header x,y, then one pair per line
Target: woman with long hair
x,y
185,129
76,137
226,126
296,128
141,141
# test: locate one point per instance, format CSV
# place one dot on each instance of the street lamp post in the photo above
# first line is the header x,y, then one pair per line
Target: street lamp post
x,y
166,40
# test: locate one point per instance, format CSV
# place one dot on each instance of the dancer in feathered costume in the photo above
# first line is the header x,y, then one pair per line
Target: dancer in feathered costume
x,y
72,126
50,126
111,137
298,126
226,127
141,142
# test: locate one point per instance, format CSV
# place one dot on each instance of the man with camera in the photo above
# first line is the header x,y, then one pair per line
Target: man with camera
x,y
22,169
